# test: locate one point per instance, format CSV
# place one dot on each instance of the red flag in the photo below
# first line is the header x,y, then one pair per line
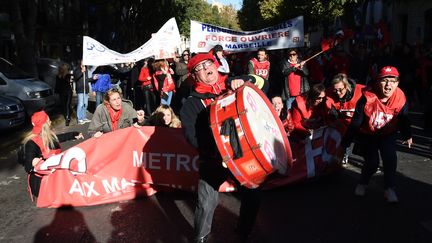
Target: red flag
x,y
326,45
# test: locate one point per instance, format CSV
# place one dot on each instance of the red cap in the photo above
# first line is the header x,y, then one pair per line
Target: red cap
x,y
38,119
195,60
388,71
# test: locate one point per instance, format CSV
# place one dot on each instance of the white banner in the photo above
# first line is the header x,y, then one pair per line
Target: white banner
x,y
204,37
163,44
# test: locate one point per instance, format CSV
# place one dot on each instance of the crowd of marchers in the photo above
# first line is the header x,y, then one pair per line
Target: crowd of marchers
x,y
365,92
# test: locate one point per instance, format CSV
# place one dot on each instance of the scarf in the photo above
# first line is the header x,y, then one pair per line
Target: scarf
x,y
216,88
114,116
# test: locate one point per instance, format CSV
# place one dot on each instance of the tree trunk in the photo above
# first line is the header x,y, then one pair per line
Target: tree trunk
x,y
24,31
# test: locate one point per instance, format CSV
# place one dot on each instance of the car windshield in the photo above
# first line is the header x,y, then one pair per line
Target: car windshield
x,y
11,71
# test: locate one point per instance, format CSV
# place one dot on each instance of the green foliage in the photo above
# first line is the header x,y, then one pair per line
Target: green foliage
x,y
256,14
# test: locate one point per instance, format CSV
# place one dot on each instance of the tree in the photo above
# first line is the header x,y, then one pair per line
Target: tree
x,y
256,14
23,16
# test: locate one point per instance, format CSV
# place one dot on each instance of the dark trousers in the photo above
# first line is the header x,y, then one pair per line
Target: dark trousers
x,y
66,100
384,145
149,100
212,176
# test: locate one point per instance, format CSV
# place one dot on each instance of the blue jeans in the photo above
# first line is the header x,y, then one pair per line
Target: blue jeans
x,y
82,106
289,102
99,98
167,101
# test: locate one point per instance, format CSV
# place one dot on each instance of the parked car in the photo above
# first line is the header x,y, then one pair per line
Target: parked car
x,y
11,112
48,70
34,93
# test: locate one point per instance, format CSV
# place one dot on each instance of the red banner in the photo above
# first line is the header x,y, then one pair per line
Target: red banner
x,y
130,162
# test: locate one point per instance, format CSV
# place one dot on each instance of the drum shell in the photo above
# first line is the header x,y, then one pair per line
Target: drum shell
x,y
252,168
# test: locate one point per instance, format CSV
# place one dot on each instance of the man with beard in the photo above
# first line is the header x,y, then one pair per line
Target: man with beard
x,y
209,84
379,113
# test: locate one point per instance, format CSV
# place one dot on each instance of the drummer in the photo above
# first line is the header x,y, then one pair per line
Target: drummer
x,y
208,84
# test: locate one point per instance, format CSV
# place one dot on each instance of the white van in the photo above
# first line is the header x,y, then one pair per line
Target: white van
x,y
33,93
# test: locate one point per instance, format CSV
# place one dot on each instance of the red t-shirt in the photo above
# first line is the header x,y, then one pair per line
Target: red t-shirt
x,y
294,81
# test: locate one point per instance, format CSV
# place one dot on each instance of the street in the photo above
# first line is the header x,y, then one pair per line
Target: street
x,y
322,210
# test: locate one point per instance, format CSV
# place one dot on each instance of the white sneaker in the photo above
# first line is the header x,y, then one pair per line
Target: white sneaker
x,y
390,195
86,120
360,190
81,122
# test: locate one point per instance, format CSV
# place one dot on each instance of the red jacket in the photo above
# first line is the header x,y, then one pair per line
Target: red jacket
x,y
144,77
381,117
168,83
305,118
346,109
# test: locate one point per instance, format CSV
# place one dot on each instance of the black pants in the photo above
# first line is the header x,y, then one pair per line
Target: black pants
x,y
385,145
212,176
149,100
66,100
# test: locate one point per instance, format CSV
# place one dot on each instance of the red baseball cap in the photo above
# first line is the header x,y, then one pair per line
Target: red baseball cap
x,y
195,60
388,71
38,119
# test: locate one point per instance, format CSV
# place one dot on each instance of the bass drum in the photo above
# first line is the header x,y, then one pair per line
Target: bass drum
x,y
249,135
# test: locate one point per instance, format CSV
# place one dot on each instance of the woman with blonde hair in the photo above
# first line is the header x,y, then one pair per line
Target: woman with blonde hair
x,y
114,113
164,116
40,144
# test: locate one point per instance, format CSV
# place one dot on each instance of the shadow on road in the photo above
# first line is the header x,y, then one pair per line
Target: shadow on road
x,y
68,225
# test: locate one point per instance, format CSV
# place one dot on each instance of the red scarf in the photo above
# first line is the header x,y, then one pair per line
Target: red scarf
x,y
114,116
216,88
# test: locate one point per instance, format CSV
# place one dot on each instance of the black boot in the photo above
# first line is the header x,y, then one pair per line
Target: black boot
x,y
67,121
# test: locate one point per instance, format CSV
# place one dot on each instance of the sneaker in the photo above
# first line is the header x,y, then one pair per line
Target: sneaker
x,y
360,190
390,195
86,120
81,122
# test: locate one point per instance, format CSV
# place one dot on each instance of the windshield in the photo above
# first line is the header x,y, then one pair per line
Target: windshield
x,y
11,71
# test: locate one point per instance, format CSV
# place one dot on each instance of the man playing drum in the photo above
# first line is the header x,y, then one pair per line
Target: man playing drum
x,y
209,84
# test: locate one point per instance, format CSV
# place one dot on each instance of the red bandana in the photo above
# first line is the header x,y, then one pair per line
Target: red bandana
x,y
114,116
216,88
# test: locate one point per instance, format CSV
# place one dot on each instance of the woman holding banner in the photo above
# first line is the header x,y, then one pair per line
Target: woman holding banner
x,y
113,114
40,144
308,112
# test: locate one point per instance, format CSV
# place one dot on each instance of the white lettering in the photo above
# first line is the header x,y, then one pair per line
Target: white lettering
x,y
91,189
311,153
152,160
195,163
125,183
168,160
76,187
137,161
184,160
114,186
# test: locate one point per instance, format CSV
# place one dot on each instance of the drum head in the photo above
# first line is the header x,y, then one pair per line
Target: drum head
x,y
264,130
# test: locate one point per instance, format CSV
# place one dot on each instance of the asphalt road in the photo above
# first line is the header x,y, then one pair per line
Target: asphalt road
x,y
322,210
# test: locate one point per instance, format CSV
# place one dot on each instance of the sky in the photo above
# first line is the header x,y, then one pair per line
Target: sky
x,y
236,3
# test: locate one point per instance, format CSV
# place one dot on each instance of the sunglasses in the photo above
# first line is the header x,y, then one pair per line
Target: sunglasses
x,y
338,90
320,98
185,54
293,54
